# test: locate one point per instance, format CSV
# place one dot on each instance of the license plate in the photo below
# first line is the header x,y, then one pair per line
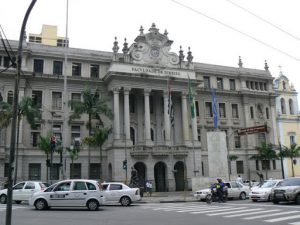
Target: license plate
x,y
279,195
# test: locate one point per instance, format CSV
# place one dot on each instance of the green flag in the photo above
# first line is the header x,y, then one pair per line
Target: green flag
x,y
191,99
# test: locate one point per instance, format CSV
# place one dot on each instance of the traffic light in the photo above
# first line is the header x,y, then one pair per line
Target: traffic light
x,y
48,162
52,143
125,164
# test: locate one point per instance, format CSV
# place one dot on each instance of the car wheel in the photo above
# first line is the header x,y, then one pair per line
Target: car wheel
x,y
125,201
92,205
243,196
254,200
3,199
18,202
40,204
275,202
298,199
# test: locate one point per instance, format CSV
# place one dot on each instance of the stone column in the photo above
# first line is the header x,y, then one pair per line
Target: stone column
x,y
147,117
185,125
116,114
126,114
273,118
166,120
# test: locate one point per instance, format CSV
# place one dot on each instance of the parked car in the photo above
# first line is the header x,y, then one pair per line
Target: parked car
x,y
235,190
70,193
120,193
263,190
287,190
22,191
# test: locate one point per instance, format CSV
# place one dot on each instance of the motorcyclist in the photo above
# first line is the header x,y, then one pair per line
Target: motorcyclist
x,y
220,190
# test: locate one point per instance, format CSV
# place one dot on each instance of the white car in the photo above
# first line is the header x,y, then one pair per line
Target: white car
x,y
70,193
22,191
120,193
263,191
235,190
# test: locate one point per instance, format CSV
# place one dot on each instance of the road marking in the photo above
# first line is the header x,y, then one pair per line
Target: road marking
x,y
217,210
295,223
270,215
196,209
233,212
283,218
253,213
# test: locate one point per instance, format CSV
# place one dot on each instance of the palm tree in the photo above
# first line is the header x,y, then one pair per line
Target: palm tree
x,y
291,152
26,109
73,153
94,105
99,138
265,154
44,145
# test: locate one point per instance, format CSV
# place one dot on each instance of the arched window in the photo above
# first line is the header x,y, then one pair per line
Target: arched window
x,y
267,113
291,106
251,112
283,85
132,135
282,103
10,97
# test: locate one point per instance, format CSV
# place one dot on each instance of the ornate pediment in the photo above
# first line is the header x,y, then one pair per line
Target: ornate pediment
x,y
153,48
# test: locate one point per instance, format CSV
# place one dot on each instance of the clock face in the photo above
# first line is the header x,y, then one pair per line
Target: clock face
x,y
154,53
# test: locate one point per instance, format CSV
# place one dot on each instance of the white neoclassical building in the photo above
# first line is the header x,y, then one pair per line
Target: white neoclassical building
x,y
134,80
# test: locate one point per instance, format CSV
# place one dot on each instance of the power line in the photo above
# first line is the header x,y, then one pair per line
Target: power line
x,y
236,30
264,20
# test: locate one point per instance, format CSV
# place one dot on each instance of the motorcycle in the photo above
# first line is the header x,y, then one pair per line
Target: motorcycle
x,y
213,195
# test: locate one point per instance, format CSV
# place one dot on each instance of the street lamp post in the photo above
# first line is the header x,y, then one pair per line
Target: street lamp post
x,y
281,160
14,117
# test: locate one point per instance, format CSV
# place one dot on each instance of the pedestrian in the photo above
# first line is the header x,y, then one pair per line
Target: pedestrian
x,y
149,187
220,190
239,179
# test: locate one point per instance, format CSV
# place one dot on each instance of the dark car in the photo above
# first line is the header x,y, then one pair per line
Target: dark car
x,y
287,190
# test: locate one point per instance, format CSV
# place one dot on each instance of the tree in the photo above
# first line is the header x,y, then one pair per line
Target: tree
x,y
291,152
99,138
26,109
73,153
94,106
265,154
44,145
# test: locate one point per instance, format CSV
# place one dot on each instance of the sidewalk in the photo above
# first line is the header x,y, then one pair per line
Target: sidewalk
x,y
167,197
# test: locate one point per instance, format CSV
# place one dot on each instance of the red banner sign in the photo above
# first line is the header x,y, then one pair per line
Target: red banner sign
x,y
253,130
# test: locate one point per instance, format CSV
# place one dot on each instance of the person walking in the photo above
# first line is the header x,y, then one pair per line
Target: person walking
x,y
149,187
239,179
220,190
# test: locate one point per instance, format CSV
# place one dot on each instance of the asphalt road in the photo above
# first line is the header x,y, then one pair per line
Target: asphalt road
x,y
188,213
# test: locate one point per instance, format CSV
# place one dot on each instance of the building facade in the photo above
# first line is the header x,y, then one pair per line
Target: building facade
x,y
288,120
138,82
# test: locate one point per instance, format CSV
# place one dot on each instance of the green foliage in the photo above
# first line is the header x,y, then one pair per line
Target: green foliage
x,y
74,152
290,152
232,157
5,114
44,144
101,135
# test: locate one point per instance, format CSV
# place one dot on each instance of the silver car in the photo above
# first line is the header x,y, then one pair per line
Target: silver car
x,y
22,191
263,191
70,193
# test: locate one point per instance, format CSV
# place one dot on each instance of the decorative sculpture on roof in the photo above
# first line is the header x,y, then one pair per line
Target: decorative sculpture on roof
x,y
153,48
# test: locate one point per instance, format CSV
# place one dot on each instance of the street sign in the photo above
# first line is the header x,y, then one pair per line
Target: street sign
x,y
253,130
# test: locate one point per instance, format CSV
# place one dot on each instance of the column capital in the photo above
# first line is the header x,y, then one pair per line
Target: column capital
x,y
126,90
147,91
184,94
116,89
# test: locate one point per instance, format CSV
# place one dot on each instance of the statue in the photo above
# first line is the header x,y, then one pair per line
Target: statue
x,y
134,180
261,176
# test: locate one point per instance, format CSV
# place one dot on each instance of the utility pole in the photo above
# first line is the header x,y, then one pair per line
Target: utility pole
x,y
14,118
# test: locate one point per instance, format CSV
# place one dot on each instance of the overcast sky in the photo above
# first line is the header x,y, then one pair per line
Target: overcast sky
x,y
94,23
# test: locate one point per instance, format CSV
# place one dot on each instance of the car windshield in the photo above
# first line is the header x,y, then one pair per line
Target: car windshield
x,y
290,182
50,188
268,184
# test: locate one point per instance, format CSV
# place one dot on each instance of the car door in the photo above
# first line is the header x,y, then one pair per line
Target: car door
x,y
60,195
115,192
234,190
17,191
79,193
28,190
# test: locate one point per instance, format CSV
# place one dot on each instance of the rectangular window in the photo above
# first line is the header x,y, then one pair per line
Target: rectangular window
x,y
55,171
76,69
261,137
57,131
75,133
94,71
132,103
235,111
95,171
62,43
292,139
197,108
267,113
256,164
34,138
35,39
56,101
247,84
220,83
237,141
37,97
265,164
57,67
222,110
6,62
208,109
75,97
274,164
206,81
199,134
232,84
251,112
75,170
38,66
34,172
240,167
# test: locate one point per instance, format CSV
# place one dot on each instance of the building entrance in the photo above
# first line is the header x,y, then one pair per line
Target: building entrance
x,y
160,177
179,175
